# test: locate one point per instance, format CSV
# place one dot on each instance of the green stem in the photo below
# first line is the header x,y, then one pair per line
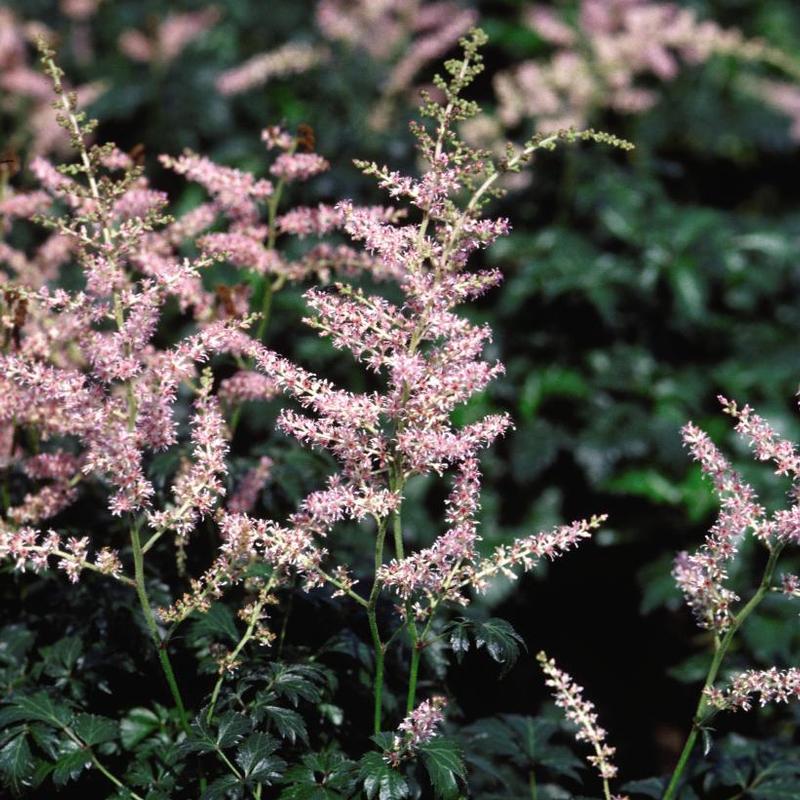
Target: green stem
x,y
720,652
266,308
344,588
93,758
413,671
150,621
248,634
378,646
411,623
532,785
113,778
269,287
225,760
285,623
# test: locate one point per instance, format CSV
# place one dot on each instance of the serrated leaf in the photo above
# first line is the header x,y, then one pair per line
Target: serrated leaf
x,y
309,791
36,707
296,682
204,739
218,621
61,658
200,739
46,738
444,765
459,641
137,725
337,772
219,789
69,766
561,761
380,781
15,761
501,641
257,760
334,714
288,723
230,729
95,730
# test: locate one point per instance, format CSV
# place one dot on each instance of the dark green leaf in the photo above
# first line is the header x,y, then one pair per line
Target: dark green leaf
x,y
62,657
38,707
70,766
288,723
220,788
16,762
230,729
218,622
295,682
777,789
459,640
444,765
500,640
320,776
380,781
137,725
650,787
95,730
257,760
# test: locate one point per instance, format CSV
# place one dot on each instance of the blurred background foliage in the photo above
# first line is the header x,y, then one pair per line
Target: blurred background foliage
x,y
638,288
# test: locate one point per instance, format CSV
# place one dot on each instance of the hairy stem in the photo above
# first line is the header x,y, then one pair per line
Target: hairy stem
x,y
700,716
150,621
377,644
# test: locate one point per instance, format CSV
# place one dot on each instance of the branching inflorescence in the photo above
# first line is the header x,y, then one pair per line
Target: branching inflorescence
x,y
87,371
93,388
581,712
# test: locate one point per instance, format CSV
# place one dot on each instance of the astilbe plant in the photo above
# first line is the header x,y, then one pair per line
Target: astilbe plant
x,y
402,37
581,712
603,60
88,399
703,577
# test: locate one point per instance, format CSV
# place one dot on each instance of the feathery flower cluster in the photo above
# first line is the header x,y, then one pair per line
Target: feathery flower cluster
x,y
430,360
419,727
26,94
292,58
199,484
771,686
767,444
249,243
173,34
599,62
702,575
83,367
790,585
244,499
28,548
580,711
442,572
408,35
